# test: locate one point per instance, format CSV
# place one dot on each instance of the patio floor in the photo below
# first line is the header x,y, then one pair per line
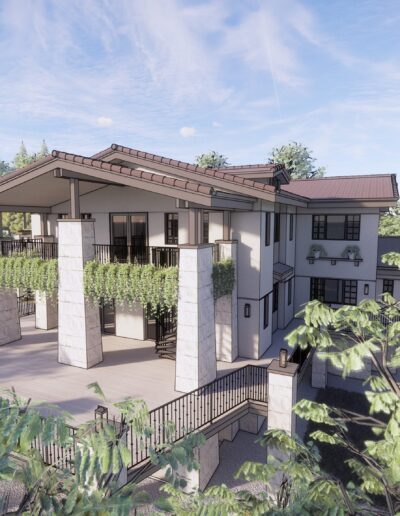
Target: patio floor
x,y
130,368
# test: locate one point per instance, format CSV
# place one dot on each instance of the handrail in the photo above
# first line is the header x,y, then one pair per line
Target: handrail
x,y
33,247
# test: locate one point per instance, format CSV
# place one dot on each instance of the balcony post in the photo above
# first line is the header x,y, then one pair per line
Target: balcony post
x,y
195,355
226,330
79,335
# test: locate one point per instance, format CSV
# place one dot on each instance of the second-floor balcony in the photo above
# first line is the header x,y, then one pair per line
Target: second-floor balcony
x,y
140,255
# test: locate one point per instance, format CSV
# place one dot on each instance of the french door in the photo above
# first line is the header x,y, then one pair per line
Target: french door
x,y
129,237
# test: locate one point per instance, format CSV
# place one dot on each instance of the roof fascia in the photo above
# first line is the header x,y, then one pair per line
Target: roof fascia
x,y
194,176
352,203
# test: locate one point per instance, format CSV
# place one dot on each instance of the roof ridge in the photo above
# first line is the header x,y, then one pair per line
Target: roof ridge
x,y
355,176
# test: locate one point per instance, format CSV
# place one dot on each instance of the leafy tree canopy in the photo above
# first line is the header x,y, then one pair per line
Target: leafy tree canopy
x,y
212,159
390,222
4,167
297,160
23,158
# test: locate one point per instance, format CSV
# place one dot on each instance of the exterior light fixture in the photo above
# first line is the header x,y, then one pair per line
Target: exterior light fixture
x,y
247,310
366,289
101,415
283,357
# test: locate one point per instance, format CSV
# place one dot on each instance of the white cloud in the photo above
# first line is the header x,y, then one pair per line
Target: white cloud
x,y
216,124
104,121
186,132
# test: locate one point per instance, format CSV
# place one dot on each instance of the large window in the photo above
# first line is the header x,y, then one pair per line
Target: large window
x,y
171,228
277,227
267,228
266,311
336,227
335,291
388,285
275,297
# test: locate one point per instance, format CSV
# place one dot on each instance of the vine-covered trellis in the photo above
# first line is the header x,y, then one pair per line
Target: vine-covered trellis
x,y
29,274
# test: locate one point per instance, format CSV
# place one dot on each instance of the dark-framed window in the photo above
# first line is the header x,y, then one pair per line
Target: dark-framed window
x,y
206,227
266,311
289,292
277,227
388,286
267,228
171,228
291,226
335,291
275,297
336,227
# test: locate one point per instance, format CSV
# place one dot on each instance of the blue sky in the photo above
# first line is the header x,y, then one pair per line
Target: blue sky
x,y
179,78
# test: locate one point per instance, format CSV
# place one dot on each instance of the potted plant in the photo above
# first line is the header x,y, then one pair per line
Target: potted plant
x,y
316,251
352,252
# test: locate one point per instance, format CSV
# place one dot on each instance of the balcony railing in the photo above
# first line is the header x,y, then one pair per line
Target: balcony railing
x,y
159,256
31,247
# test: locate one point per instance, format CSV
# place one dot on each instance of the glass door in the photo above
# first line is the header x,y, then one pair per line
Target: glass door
x,y
138,235
129,237
119,238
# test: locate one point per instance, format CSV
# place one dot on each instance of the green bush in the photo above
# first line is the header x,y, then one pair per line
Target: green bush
x,y
29,273
223,276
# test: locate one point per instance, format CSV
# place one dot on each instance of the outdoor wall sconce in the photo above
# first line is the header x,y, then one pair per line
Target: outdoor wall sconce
x,y
283,357
366,289
247,310
101,414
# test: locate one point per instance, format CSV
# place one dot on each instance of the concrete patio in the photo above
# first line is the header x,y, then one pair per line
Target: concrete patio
x,y
130,368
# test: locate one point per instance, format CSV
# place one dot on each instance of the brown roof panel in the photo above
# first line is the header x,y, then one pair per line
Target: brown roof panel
x,y
377,186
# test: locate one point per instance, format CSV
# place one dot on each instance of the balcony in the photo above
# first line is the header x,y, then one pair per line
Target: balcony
x,y
29,247
140,255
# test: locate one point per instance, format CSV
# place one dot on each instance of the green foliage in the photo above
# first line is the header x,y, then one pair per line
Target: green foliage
x,y
389,224
316,248
392,259
223,277
128,283
351,337
16,222
297,160
212,159
4,167
23,158
351,249
29,273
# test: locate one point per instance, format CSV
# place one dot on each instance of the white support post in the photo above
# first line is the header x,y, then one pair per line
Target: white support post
x,y
319,370
79,335
46,311
282,395
195,354
226,320
10,328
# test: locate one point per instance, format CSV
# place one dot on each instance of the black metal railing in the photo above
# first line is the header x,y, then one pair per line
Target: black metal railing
x,y
142,255
199,408
32,247
55,455
26,305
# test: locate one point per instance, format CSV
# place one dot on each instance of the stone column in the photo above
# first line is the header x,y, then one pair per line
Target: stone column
x,y
10,328
130,321
226,320
282,395
79,335
195,355
208,459
319,371
46,311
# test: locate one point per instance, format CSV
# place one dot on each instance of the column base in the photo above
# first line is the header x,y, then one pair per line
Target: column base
x,y
46,311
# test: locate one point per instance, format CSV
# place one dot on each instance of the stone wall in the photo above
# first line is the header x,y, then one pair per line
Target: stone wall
x,y
10,328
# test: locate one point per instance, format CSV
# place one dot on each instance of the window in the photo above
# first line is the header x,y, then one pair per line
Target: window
x,y
171,228
291,226
289,292
277,227
275,297
266,311
388,285
335,291
206,227
267,228
336,227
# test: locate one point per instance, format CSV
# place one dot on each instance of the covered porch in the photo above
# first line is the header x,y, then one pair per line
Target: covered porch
x,y
129,368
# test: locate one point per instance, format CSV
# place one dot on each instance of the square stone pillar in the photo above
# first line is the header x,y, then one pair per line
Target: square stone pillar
x,y
10,328
79,334
282,395
226,320
46,311
319,371
208,459
195,354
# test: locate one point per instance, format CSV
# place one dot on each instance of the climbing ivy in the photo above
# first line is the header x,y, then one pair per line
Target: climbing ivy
x,y
29,273
128,283
223,277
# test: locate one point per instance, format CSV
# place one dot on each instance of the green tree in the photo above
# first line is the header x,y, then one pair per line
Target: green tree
x,y
44,150
23,158
212,159
298,161
4,167
389,224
